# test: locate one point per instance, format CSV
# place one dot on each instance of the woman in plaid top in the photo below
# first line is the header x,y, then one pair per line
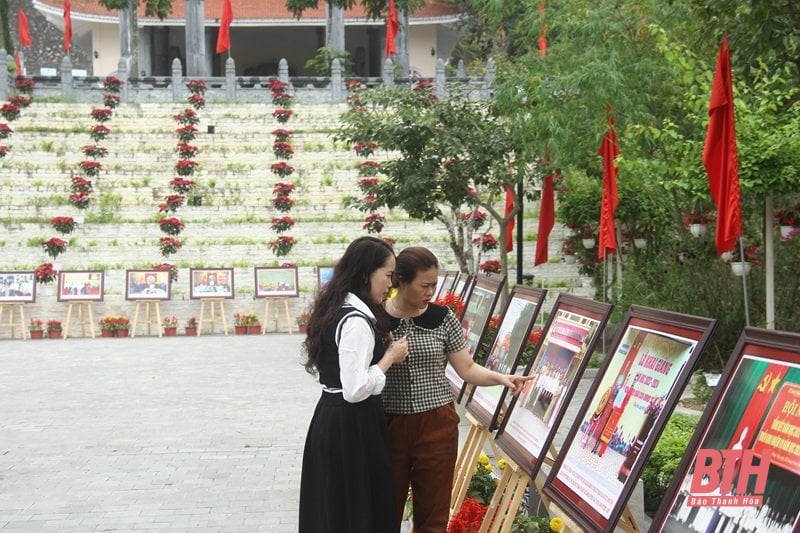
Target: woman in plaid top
x,y
419,404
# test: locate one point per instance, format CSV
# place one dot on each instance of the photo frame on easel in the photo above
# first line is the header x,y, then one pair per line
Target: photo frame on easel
x,y
80,286
211,283
623,414
147,285
487,404
324,275
753,411
276,282
568,340
17,286
477,313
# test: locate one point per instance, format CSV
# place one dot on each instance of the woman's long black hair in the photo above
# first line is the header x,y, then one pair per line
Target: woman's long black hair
x,y
352,273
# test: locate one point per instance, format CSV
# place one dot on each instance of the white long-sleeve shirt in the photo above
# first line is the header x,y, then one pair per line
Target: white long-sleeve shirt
x,y
360,379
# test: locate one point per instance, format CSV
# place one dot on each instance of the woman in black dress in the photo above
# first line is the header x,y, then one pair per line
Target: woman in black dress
x,y
346,485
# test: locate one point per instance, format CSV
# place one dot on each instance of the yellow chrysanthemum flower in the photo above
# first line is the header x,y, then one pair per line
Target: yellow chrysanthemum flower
x,y
501,464
556,524
483,459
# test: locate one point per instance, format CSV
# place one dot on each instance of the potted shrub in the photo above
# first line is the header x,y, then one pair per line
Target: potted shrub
x,y
170,325
302,321
36,328
54,329
107,327
123,325
191,327
239,324
115,326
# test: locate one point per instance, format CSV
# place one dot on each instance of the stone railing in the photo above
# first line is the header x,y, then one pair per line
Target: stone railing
x,y
230,88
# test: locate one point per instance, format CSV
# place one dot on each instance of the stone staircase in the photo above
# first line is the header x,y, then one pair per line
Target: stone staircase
x,y
230,227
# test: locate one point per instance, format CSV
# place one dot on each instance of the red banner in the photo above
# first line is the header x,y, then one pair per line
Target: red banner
x,y
392,26
609,150
546,220
67,27
24,29
224,35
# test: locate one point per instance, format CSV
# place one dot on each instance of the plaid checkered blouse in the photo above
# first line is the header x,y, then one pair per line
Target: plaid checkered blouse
x,y
418,384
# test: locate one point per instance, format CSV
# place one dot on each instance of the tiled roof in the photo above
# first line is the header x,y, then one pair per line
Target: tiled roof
x,y
251,11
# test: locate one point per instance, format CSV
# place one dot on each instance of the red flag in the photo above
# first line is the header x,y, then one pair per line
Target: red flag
x,y
224,35
609,150
67,27
24,30
391,29
547,219
720,155
510,225
18,64
543,33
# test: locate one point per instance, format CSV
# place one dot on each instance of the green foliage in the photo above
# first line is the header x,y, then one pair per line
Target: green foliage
x,y
482,486
321,62
665,458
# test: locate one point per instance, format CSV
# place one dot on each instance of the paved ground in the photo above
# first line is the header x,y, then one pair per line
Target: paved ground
x,y
170,434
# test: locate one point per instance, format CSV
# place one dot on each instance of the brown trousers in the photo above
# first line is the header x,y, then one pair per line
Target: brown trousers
x,y
424,452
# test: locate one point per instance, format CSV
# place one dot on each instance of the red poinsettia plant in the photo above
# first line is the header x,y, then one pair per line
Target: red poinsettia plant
x,y
5,131
486,242
186,150
365,148
282,134
185,167
10,112
63,224
282,169
788,217
282,245
101,114
197,101
368,168
196,86
477,218
283,203
98,132
54,246
490,267
282,115
182,185
283,188
80,200
186,133
281,224
168,267
282,150
171,203
24,84
112,84
80,184
4,150
111,100
171,225
90,168
169,245
453,301
22,101
187,117
45,273
368,185
374,223
94,150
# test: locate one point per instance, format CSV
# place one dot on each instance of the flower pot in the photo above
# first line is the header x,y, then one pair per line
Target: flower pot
x,y
698,230
240,330
639,242
106,333
191,331
570,259
170,332
588,243
786,230
54,334
37,334
740,268
302,328
122,333
726,256
254,330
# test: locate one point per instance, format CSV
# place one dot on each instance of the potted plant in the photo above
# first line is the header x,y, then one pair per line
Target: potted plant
x,y
697,221
123,325
740,266
787,219
115,326
302,321
54,329
568,249
191,327
170,325
239,324
107,327
36,328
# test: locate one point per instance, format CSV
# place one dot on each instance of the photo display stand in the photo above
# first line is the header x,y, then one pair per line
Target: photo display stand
x,y
276,285
11,324
479,307
625,411
149,317
85,316
749,437
485,404
277,302
216,311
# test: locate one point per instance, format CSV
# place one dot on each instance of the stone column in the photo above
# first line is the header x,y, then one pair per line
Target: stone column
x,y
402,43
3,75
195,39
335,37
67,90
230,79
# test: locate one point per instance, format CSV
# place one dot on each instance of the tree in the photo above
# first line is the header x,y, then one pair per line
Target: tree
x,y
153,8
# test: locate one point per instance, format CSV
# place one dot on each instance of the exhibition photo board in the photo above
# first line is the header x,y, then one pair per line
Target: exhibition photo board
x,y
741,470
276,282
623,414
211,283
487,403
80,286
147,285
568,340
17,286
477,313
324,275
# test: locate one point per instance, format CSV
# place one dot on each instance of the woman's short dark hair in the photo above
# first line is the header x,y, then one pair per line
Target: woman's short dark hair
x,y
411,261
352,274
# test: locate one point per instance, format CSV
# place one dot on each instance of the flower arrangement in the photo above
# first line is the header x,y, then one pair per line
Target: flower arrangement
x,y
24,84
54,247
10,112
45,273
197,101
182,185
5,131
186,133
101,114
282,115
751,254
368,185
282,169
169,322
282,245
281,224
112,84
303,318
374,223
63,224
94,150
196,86
185,167
35,325
788,217
697,217
111,100
171,225
245,319
191,322
477,218
568,247
283,203
486,242
368,168
115,323
4,150
171,203
282,135
168,267
469,517
282,150
187,117
365,148
53,325
98,132
90,168
490,267
22,101
80,200
453,301
80,184
169,245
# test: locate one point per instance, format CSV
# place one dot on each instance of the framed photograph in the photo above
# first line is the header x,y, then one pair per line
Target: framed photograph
x,y
211,283
324,275
147,285
623,414
463,285
83,285
567,342
17,286
445,283
278,282
477,313
487,404
741,470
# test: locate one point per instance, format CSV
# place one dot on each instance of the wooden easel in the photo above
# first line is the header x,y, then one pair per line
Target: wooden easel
x,y
82,319
148,318
217,306
277,301
11,324
476,438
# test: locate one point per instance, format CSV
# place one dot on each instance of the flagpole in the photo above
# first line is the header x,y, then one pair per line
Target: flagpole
x,y
744,284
